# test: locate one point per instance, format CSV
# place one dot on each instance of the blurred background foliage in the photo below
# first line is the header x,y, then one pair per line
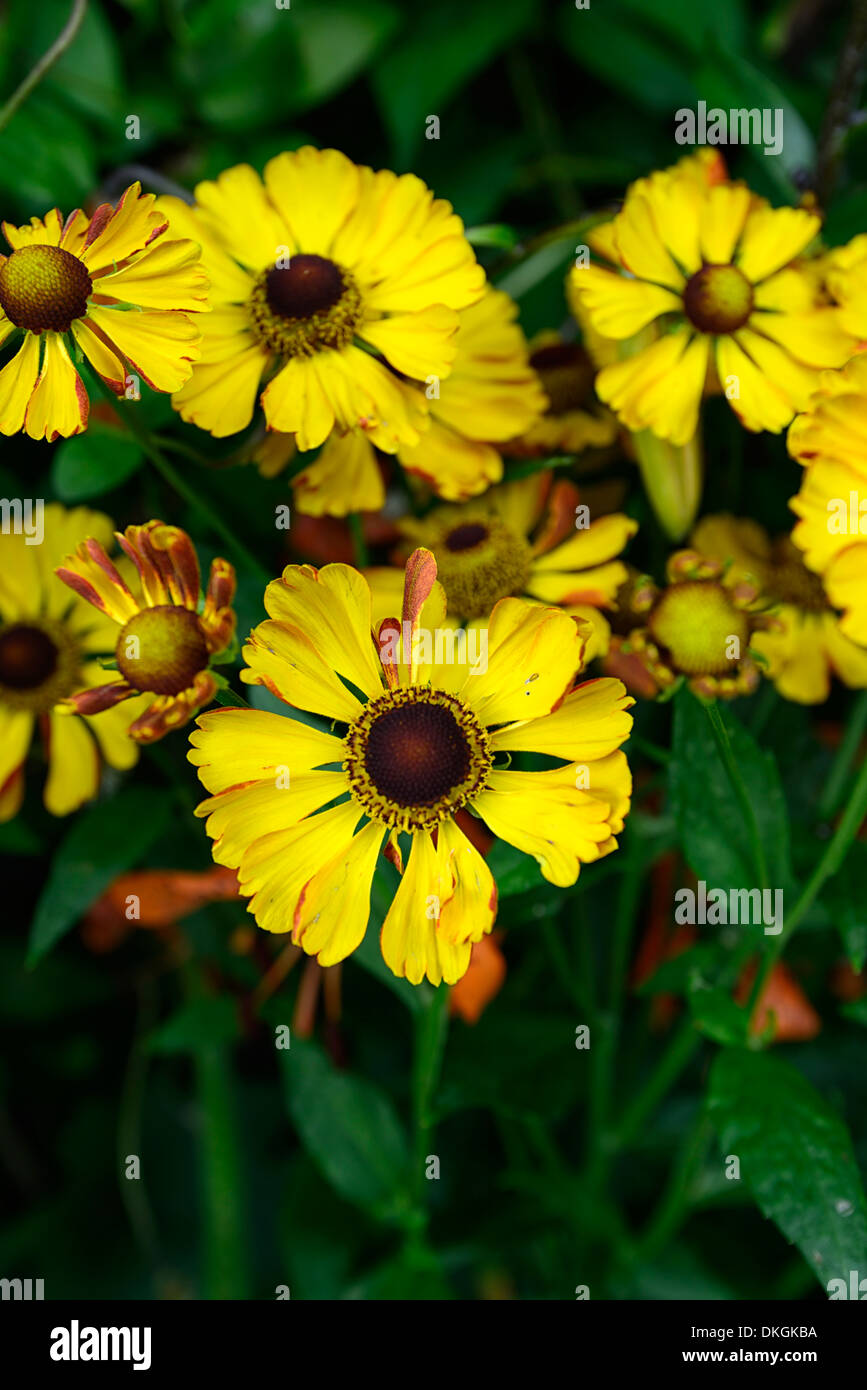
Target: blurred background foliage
x,y
304,1167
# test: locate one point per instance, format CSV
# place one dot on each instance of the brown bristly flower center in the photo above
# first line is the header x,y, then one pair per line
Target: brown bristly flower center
x,y
306,305
162,650
44,288
566,373
39,664
415,756
718,299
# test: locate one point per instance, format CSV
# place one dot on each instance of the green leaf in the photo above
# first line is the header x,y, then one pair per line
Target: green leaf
x,y
107,839
857,1011
209,1020
731,82
349,1128
87,465
715,1013
709,816
795,1156
843,897
335,43
620,49
444,47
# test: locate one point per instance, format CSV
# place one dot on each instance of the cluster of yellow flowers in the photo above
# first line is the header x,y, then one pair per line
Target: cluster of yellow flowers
x,y
329,307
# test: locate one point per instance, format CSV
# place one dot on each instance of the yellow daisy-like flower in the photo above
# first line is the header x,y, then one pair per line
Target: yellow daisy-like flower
x,y
700,628
48,645
702,272
303,814
165,644
830,438
574,420
490,394
331,283
117,288
808,647
523,539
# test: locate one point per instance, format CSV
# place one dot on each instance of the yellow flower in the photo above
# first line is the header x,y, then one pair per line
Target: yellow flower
x,y
574,420
830,438
165,645
48,646
524,539
700,280
117,288
490,393
699,628
332,284
303,814
806,647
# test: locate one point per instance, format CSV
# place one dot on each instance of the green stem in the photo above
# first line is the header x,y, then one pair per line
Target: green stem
x,y
673,1061
724,748
671,1210
177,482
845,756
225,1252
829,862
431,1027
48,59
608,1023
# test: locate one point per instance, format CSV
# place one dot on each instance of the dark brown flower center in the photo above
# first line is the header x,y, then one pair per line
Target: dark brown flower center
x,y
465,537
28,657
306,286
718,299
417,754
566,373
44,288
162,650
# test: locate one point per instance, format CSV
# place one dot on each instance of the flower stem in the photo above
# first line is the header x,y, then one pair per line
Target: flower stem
x,y
724,747
833,792
828,863
177,482
359,544
48,59
431,1027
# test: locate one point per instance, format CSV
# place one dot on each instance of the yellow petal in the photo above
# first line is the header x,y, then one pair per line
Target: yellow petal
x,y
221,396
420,344
533,654
660,388
133,224
412,946
295,402
290,666
592,722
59,404
73,769
469,913
455,467
334,906
160,347
724,211
17,381
16,731
233,747
266,806
640,245
771,238
617,306
344,478
236,210
169,275
331,608
314,192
